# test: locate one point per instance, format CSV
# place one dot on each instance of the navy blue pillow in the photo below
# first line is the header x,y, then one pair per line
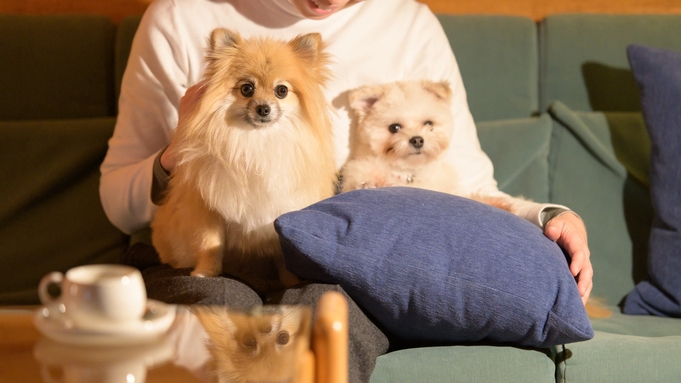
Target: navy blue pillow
x,y
658,75
435,267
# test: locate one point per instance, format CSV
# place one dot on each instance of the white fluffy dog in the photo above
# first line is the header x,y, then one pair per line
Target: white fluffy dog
x,y
403,131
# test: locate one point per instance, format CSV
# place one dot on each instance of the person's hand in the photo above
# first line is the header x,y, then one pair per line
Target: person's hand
x,y
187,103
569,232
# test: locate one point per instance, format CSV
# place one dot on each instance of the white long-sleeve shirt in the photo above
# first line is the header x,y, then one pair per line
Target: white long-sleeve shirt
x,y
375,41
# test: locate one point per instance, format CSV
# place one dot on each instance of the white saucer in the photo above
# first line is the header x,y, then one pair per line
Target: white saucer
x,y
156,321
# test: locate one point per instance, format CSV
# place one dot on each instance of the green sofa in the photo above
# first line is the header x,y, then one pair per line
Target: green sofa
x,y
557,110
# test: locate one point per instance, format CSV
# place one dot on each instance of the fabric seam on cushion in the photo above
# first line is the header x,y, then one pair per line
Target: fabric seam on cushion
x,y
563,115
539,154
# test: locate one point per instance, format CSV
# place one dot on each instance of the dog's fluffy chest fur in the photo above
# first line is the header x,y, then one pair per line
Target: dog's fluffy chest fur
x,y
249,187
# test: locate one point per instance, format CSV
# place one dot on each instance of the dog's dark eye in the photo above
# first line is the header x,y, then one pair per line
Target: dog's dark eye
x,y
428,123
282,338
247,89
394,128
281,91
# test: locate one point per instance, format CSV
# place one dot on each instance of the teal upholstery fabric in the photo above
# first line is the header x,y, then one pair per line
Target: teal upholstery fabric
x,y
616,358
626,348
519,150
56,67
638,325
584,62
51,217
497,57
471,364
586,174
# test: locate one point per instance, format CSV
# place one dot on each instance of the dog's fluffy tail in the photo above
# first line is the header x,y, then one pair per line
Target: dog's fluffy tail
x,y
499,202
596,308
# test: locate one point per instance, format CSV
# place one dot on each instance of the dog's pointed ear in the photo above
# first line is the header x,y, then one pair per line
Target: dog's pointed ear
x,y
309,47
362,99
223,38
440,89
215,321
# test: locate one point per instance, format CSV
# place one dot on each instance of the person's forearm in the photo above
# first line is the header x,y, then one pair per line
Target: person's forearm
x,y
159,183
125,193
537,213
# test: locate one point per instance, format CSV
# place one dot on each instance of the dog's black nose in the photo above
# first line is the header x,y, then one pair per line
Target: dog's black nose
x,y
263,110
416,141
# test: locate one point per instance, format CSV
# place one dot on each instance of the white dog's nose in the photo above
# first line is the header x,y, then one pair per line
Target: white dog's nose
x,y
416,141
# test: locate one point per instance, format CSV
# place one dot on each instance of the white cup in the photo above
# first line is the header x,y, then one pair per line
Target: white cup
x,y
95,296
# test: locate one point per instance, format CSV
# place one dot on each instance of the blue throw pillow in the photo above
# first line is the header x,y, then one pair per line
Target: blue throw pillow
x,y
438,268
658,75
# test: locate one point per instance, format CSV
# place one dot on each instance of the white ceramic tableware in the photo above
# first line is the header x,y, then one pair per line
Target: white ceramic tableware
x,y
95,297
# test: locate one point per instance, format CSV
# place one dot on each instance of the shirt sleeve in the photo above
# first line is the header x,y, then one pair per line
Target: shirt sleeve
x,y
154,81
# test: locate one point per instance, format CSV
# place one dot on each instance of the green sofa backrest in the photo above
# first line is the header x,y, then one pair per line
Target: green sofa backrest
x,y
56,116
497,57
56,67
584,62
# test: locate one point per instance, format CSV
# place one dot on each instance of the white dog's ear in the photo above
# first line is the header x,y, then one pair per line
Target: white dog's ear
x,y
223,38
440,89
363,99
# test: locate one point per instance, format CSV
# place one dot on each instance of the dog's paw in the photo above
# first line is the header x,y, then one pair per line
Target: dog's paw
x,y
400,179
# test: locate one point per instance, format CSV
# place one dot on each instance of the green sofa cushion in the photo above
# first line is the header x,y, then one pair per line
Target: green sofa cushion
x,y
519,150
51,217
56,66
497,57
471,364
597,164
626,348
638,325
584,62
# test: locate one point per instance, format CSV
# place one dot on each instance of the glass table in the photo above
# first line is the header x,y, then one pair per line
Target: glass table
x,y
198,344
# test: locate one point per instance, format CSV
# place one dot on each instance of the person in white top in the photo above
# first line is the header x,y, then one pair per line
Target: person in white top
x,y
371,42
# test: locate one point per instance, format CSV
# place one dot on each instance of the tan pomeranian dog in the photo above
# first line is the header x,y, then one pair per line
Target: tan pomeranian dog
x,y
403,131
258,144
266,344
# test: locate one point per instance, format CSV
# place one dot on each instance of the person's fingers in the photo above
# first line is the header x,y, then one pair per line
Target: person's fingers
x,y
587,293
585,280
571,236
191,97
553,230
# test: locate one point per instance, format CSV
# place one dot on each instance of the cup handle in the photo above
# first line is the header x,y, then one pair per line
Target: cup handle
x,y
54,277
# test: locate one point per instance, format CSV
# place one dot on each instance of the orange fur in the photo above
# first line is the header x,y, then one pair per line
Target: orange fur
x,y
403,131
246,156
263,345
597,309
